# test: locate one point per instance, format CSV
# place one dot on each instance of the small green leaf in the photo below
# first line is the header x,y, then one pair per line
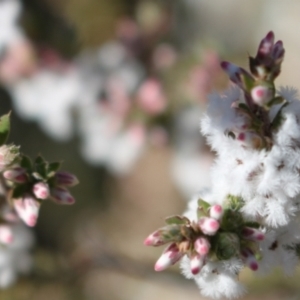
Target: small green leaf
x,y
26,162
278,118
54,166
252,224
276,100
203,208
177,220
19,191
4,128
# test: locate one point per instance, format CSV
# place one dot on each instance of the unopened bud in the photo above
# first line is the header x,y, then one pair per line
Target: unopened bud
x,y
208,226
154,239
65,179
41,190
261,95
169,257
16,174
197,262
216,211
202,246
249,259
265,46
61,196
6,235
278,51
252,234
27,209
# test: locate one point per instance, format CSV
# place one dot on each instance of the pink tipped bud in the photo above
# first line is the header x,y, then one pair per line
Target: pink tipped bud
x,y
232,70
6,235
261,95
169,257
154,239
27,209
61,196
202,246
250,259
278,51
65,179
266,45
208,226
252,234
41,190
16,174
197,262
216,211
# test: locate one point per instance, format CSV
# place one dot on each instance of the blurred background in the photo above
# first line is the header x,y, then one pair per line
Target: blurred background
x,y
116,90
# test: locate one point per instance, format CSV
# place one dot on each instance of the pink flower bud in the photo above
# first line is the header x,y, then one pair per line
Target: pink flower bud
x,y
202,246
169,257
233,71
197,262
61,196
216,211
278,51
208,225
252,234
27,209
261,95
265,46
16,174
154,239
6,235
41,190
249,259
65,179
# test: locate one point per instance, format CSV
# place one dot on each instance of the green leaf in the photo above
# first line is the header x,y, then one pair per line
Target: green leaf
x,y
19,191
203,208
252,224
276,100
278,118
52,169
26,162
248,81
4,128
41,166
176,220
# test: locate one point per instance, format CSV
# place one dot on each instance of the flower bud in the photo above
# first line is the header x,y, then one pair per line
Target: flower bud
x,y
216,211
197,262
41,190
6,235
265,46
65,179
261,95
61,196
168,258
27,209
249,259
202,246
16,174
252,234
169,233
208,226
154,239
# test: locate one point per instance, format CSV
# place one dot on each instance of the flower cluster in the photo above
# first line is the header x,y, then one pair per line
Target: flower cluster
x,y
254,130
24,185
